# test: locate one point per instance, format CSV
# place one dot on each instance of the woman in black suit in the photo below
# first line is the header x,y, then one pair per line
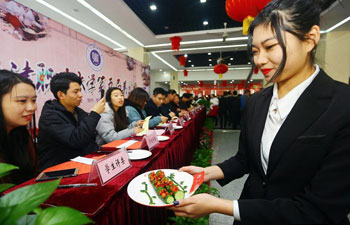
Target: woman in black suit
x,y
295,140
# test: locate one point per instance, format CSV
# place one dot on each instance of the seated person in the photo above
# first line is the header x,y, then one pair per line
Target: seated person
x,y
175,107
165,109
17,101
185,101
65,130
135,104
113,124
153,105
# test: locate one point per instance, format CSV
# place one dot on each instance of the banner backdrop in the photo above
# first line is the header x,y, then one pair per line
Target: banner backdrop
x,y
38,47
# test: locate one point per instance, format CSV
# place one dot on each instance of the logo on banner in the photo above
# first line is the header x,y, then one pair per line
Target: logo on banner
x,y
94,57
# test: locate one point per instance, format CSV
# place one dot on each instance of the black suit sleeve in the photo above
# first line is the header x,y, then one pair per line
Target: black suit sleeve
x,y
60,128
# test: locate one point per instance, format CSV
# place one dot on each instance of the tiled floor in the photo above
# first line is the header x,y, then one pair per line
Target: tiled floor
x,y
225,146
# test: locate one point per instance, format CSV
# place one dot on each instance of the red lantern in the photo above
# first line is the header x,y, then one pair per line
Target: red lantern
x,y
175,43
182,60
224,83
244,11
185,73
220,69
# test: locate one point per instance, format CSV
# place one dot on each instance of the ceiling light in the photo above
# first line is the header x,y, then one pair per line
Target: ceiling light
x,y
337,25
160,70
209,53
209,60
121,47
165,62
185,55
189,60
153,7
192,65
205,23
203,1
210,64
231,58
107,20
249,63
229,64
199,42
202,48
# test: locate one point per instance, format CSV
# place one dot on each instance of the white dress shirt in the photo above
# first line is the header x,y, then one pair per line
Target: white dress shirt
x,y
277,114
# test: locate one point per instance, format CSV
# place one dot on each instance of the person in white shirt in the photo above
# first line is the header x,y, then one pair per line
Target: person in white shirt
x,y
295,139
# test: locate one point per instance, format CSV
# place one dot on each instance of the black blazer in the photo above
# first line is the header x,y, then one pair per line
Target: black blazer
x,y
308,176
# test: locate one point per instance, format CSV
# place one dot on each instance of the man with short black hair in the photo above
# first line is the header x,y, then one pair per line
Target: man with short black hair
x,y
65,130
165,108
153,105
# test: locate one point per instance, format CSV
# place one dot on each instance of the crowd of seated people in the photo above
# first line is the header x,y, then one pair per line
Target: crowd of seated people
x,y
66,130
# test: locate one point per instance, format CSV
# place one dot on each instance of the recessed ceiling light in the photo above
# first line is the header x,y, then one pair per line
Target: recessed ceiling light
x,y
209,60
248,62
209,53
205,23
192,65
231,58
185,55
189,61
166,27
153,7
229,64
210,64
203,1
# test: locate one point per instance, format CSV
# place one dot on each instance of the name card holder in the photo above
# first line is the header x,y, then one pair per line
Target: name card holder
x,y
169,129
109,167
181,122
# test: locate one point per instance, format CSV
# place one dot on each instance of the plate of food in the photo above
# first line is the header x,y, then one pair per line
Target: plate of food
x,y
162,138
138,154
160,188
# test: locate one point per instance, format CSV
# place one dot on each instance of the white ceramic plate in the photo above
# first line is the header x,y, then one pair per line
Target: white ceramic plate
x,y
163,138
138,154
139,183
178,127
163,125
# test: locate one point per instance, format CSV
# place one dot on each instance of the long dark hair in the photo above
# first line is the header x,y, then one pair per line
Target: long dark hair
x,y
16,147
294,16
120,119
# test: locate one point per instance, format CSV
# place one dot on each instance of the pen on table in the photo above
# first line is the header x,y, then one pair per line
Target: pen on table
x,y
76,185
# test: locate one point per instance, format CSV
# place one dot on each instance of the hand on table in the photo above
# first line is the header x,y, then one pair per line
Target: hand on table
x,y
140,123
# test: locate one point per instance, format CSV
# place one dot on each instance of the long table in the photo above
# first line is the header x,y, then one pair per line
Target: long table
x,y
111,204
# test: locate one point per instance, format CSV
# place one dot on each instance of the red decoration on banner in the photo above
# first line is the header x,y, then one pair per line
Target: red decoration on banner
x,y
244,10
220,69
256,70
175,43
224,83
201,83
185,73
182,60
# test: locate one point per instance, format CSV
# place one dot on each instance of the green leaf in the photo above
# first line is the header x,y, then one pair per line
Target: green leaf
x,y
4,187
23,200
27,220
5,168
37,210
61,216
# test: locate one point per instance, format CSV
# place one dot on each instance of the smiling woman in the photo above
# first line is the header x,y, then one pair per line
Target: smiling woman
x,y
17,99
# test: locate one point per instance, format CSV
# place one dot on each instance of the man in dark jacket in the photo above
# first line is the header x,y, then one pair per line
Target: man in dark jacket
x,y
165,108
152,107
65,130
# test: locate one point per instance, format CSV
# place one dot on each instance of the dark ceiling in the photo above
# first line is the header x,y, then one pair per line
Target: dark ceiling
x,y
174,16
202,59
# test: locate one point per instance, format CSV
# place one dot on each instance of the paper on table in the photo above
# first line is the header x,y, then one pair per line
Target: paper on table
x,y
83,160
126,144
145,125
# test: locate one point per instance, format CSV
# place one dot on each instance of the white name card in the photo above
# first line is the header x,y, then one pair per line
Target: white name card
x,y
151,140
112,165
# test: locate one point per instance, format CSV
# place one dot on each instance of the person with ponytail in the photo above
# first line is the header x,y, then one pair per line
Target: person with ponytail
x,y
113,124
18,105
295,140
